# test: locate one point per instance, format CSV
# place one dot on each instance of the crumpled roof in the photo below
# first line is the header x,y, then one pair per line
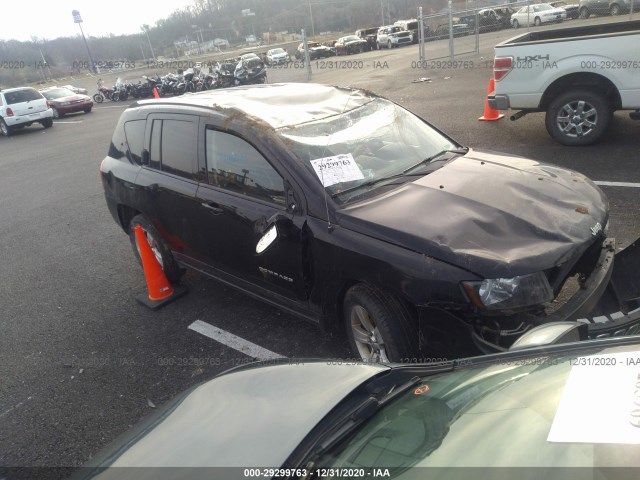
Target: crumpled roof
x,y
279,104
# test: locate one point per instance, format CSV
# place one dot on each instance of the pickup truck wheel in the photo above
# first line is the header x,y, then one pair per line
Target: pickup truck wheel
x,y
537,22
47,123
516,24
584,13
389,45
614,10
380,328
578,118
158,245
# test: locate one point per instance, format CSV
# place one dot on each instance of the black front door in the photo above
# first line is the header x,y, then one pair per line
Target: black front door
x,y
247,228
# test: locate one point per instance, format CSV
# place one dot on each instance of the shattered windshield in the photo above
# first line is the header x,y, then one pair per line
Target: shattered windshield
x,y
369,143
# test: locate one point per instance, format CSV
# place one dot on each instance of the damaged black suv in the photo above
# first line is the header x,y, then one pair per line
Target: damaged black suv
x,y
350,211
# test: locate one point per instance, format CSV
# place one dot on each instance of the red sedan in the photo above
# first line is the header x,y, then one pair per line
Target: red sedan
x,y
63,101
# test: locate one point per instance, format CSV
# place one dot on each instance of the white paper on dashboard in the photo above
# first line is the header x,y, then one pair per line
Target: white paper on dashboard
x,y
601,401
337,169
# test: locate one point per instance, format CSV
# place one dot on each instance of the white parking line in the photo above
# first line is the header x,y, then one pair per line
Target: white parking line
x,y
124,105
75,121
231,340
618,184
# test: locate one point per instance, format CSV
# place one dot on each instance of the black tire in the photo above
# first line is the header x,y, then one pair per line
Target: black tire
x,y
615,10
516,24
87,110
394,325
98,98
597,117
584,13
56,114
5,129
47,122
537,22
158,245
389,45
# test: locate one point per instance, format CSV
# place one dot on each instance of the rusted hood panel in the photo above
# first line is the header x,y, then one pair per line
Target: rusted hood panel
x,y
492,214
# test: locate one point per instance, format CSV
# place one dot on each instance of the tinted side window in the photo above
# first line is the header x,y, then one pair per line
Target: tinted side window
x,y
134,131
178,147
235,165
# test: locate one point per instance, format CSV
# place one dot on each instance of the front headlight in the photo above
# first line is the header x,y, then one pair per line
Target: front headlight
x,y
509,293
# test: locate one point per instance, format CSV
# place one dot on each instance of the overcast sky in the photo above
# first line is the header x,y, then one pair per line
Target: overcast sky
x,y
52,18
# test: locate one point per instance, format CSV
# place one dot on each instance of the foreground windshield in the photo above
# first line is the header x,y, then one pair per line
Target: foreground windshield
x,y
527,413
371,142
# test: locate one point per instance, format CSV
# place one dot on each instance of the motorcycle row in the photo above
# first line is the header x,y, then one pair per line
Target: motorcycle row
x,y
225,74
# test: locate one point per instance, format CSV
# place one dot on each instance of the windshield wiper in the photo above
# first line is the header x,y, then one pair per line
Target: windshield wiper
x,y
369,407
404,173
373,182
428,160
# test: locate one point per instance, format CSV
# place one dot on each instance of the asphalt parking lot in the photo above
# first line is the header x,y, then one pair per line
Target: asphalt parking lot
x,y
81,360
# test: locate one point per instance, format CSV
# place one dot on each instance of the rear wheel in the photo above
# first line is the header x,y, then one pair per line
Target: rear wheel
x,y
584,13
389,45
578,118
47,122
159,247
5,129
98,98
537,22
380,327
615,10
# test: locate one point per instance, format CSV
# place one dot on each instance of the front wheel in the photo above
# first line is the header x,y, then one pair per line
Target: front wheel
x,y
98,98
380,327
389,45
56,113
516,24
584,13
615,10
537,22
159,247
578,118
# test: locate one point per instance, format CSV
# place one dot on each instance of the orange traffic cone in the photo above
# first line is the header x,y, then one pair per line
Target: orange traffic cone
x,y
490,114
155,92
160,290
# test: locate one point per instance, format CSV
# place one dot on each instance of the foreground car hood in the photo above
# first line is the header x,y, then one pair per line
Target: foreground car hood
x,y
491,214
254,417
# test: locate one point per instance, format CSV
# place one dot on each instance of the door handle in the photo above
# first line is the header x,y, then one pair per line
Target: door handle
x,y
213,207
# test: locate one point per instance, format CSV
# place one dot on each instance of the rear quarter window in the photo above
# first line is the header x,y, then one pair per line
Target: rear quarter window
x,y
134,133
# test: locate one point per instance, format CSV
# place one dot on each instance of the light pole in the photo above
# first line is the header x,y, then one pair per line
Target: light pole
x,y
145,29
78,19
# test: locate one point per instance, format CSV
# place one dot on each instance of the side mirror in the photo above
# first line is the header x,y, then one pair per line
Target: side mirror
x,y
144,157
267,239
551,334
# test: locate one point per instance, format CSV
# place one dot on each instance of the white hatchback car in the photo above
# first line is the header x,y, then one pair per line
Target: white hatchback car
x,y
537,15
21,107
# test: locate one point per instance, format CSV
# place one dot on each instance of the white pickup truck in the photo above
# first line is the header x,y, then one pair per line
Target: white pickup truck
x,y
579,76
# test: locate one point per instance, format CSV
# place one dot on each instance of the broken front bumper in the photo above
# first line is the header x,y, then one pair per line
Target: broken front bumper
x,y
607,300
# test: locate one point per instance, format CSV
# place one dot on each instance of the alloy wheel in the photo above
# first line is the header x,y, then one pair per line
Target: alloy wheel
x,y
367,336
577,118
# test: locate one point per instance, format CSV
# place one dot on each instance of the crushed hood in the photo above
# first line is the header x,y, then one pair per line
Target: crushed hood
x,y
492,214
